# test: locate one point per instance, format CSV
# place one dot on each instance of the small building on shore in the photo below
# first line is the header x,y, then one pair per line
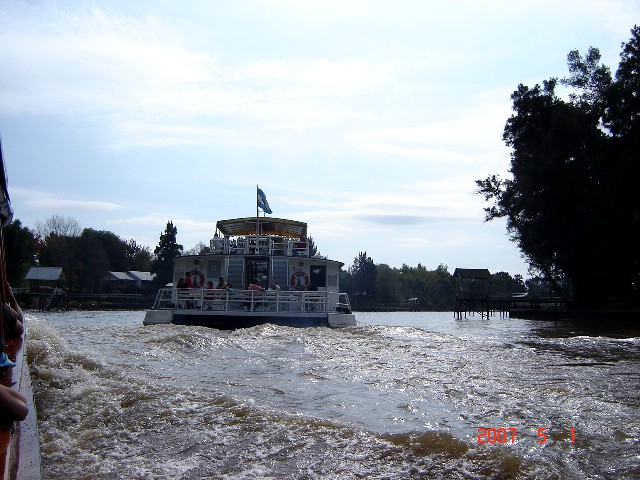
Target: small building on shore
x,y
127,281
44,279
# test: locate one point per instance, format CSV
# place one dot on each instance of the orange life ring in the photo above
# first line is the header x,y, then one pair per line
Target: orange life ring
x,y
200,276
300,280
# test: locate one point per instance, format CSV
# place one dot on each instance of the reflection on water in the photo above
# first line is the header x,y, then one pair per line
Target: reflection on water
x,y
401,395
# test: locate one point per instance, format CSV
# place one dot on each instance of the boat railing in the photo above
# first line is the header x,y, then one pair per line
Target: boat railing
x,y
251,300
260,245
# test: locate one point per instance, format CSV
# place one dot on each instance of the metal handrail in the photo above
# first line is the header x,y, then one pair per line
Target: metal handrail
x,y
249,300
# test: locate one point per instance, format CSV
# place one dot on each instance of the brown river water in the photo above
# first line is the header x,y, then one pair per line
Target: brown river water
x,y
399,396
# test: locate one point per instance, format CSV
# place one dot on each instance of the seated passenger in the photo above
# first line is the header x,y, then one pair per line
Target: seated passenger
x,y
12,316
13,406
255,285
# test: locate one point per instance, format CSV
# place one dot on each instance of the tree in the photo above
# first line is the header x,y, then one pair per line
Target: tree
x,y
363,273
57,225
19,245
165,253
138,256
93,255
386,285
61,251
501,283
571,205
313,249
59,239
199,249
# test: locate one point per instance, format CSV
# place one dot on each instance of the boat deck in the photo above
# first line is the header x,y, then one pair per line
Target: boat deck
x,y
232,300
260,245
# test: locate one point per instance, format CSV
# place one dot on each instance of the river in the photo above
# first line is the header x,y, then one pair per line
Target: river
x,y
399,396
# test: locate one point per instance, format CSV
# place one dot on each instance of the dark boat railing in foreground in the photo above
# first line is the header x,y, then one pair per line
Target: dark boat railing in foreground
x,y
19,443
232,300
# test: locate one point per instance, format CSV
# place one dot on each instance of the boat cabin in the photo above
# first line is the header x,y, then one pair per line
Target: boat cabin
x,y
271,250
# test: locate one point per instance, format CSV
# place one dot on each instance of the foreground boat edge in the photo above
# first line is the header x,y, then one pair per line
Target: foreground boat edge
x,y
20,444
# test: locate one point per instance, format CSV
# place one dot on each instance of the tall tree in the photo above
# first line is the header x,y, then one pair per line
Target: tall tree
x,y
571,205
165,253
313,249
363,273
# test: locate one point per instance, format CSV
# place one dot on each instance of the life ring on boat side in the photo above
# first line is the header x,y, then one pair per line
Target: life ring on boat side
x,y
300,280
199,277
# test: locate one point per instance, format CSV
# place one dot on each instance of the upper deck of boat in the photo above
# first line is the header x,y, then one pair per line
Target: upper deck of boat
x,y
260,236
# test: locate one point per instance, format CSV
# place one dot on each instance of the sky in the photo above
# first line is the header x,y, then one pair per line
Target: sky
x,y
370,120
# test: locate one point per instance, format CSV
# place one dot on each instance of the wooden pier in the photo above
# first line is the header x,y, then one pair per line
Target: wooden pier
x,y
518,305
472,298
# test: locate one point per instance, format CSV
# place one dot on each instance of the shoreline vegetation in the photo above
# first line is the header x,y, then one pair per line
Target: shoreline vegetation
x,y
533,311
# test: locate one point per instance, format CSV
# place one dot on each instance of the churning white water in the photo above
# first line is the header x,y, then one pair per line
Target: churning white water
x,y
400,396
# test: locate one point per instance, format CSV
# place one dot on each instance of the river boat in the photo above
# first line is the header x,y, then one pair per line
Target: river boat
x,y
269,250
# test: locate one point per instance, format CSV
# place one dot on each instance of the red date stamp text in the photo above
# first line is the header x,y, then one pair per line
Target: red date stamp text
x,y
510,434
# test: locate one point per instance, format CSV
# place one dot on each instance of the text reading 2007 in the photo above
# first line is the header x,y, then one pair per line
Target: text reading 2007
x,y
509,435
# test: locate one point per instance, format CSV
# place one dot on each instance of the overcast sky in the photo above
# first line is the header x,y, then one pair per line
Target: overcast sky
x,y
369,120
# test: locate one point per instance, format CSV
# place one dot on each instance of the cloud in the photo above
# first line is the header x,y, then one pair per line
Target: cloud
x,y
48,201
140,77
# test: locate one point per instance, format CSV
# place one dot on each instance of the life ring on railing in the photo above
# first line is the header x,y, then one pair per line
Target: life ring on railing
x,y
300,280
197,278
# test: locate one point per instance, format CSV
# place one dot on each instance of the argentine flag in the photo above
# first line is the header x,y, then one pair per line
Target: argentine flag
x,y
262,202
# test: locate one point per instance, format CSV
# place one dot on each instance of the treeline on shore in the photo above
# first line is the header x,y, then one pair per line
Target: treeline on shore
x,y
381,287
87,255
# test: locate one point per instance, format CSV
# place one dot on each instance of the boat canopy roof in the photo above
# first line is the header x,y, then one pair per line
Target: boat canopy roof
x,y
268,226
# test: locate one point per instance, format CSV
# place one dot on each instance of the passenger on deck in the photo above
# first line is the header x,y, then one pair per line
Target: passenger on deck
x,y
13,406
274,286
217,242
221,285
12,316
255,285
187,280
209,285
181,283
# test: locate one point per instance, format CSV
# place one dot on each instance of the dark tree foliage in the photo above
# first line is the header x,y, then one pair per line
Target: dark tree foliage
x,y
435,290
62,251
94,260
503,284
85,259
313,249
572,204
165,254
138,256
20,248
363,278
